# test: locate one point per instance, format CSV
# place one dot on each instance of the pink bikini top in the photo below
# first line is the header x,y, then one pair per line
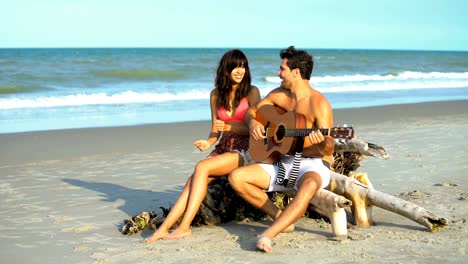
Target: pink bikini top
x,y
238,115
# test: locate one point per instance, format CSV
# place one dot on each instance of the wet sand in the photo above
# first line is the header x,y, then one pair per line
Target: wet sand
x,y
64,194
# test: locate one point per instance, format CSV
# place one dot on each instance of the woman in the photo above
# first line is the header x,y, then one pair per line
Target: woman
x,y
229,100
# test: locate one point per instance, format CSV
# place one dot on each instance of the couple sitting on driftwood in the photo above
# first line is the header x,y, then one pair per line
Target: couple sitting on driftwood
x,y
292,141
234,104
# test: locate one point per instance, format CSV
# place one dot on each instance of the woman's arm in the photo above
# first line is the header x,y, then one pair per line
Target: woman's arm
x,y
254,96
214,133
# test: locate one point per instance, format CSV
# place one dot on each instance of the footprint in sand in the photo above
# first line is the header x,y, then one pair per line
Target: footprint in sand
x,y
446,184
79,229
82,248
463,196
60,219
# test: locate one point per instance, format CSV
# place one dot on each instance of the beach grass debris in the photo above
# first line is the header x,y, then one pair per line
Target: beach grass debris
x,y
137,223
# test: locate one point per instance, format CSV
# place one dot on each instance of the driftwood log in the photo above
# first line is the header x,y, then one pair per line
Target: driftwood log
x,y
331,205
359,189
347,190
364,196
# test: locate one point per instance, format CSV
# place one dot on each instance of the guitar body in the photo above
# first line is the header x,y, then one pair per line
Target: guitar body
x,y
274,120
281,130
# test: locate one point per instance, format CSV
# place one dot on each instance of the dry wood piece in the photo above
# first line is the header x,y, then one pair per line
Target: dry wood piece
x,y
364,197
332,206
348,154
360,147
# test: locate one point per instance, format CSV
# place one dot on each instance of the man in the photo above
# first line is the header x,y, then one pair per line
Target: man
x,y
252,181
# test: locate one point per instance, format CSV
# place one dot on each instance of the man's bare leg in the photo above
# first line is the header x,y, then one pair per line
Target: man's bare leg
x,y
308,186
249,182
264,244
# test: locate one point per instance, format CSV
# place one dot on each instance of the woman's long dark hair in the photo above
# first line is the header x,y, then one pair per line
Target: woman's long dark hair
x,y
223,84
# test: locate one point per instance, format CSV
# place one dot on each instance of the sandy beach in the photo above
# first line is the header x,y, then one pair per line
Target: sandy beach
x,y
64,194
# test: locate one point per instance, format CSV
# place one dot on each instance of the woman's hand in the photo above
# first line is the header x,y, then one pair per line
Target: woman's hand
x,y
202,145
220,125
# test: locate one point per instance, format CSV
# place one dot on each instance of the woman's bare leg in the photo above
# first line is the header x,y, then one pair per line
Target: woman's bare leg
x,y
176,212
205,171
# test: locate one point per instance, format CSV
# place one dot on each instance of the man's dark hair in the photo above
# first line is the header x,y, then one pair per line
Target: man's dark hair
x,y
298,59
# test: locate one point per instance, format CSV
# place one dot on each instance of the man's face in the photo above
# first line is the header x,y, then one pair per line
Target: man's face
x,y
285,74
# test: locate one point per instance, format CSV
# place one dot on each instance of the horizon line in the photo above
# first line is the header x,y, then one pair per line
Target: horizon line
x,y
213,47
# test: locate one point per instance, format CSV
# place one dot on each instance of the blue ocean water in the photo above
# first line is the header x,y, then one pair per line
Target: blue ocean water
x,y
45,89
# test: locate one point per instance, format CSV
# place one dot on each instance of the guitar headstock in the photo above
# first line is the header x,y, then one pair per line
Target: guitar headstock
x,y
343,132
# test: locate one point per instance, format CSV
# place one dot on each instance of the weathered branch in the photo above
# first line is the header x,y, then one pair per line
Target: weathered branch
x,y
364,197
348,154
407,209
360,147
332,206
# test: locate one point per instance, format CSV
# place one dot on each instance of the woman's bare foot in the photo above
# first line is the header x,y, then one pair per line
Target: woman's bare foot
x,y
157,235
179,234
264,244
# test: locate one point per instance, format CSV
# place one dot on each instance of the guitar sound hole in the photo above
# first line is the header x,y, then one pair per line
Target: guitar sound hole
x,y
280,132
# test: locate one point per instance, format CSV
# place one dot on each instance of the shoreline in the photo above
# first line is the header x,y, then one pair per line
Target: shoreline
x,y
365,108
65,194
19,144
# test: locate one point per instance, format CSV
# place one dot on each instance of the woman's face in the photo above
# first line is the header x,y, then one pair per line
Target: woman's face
x,y
237,74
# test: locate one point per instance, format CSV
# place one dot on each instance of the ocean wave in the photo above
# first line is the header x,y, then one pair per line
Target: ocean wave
x,y
18,89
8,62
393,86
141,74
403,76
132,97
25,77
128,97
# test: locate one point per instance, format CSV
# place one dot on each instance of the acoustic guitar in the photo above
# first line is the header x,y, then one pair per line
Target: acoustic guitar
x,y
280,129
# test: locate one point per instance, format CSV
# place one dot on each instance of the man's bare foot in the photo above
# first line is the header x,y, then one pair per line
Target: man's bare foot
x,y
157,235
179,234
264,244
289,229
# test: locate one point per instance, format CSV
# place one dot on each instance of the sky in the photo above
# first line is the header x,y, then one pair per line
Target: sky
x,y
342,24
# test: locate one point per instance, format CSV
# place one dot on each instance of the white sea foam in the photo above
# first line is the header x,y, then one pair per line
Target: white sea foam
x,y
128,97
404,76
393,86
329,84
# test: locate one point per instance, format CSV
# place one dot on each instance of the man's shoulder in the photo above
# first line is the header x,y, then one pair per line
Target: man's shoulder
x,y
279,96
318,96
279,91
320,101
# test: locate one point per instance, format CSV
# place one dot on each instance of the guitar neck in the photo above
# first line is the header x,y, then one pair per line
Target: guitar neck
x,y
302,132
